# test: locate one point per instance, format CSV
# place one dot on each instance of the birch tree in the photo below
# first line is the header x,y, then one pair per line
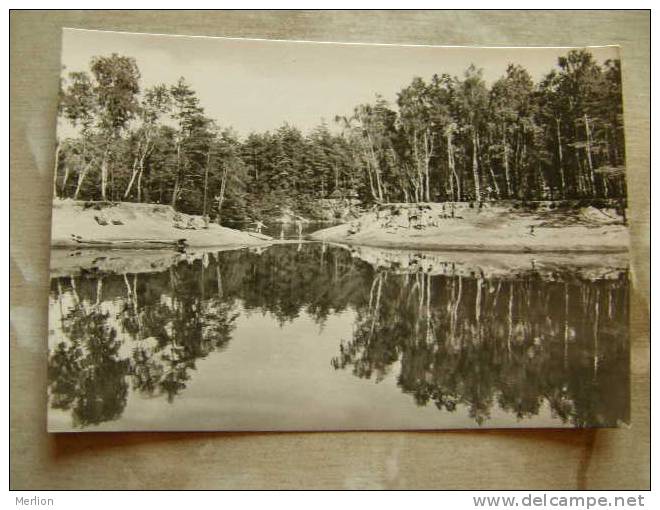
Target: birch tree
x,y
416,122
473,100
116,85
79,107
154,105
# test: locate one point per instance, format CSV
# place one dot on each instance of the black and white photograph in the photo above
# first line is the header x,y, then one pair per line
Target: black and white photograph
x,y
272,235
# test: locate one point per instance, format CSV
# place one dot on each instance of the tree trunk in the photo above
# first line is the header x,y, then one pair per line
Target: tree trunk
x,y
588,150
134,173
81,177
104,174
496,186
406,195
452,168
99,291
560,154
523,153
177,178
428,150
139,182
371,182
505,150
221,198
516,164
111,171
145,153
65,179
256,166
206,181
543,186
175,191
57,162
418,167
376,166
475,166
580,174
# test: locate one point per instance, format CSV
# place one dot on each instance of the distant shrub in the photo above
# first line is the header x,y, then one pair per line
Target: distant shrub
x,y
92,205
598,203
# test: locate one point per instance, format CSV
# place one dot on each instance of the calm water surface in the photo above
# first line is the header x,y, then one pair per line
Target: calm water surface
x,y
279,230
310,336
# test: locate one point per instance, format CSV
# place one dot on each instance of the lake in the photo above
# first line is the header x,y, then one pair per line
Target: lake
x,y
317,337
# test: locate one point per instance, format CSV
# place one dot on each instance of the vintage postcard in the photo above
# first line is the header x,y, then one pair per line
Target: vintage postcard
x,y
284,235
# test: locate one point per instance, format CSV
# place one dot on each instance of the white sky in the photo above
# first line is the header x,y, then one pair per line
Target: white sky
x,y
259,85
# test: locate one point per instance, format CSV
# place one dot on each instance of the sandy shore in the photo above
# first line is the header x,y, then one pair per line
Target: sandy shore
x,y
490,229
132,224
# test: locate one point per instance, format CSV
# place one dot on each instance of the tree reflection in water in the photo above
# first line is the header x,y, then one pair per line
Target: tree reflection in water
x,y
86,373
511,343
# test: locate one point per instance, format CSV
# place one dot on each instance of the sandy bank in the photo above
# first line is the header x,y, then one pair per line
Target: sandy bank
x,y
133,223
457,227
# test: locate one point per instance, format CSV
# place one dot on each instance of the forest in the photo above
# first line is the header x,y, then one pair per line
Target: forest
x,y
448,138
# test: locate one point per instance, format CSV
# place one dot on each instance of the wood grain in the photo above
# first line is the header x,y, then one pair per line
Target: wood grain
x,y
594,459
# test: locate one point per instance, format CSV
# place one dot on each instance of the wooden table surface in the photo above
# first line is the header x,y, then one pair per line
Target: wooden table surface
x,y
524,459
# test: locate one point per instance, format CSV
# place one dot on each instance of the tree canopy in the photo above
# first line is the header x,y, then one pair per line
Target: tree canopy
x,y
446,139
